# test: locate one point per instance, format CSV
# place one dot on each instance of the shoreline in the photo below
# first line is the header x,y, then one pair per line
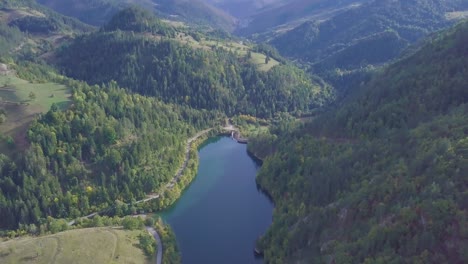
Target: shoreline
x,y
214,136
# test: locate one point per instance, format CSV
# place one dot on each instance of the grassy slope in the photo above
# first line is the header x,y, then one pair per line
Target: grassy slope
x,y
233,46
14,89
91,245
21,110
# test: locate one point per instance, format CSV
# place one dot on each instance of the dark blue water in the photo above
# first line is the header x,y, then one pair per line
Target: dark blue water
x,y
221,214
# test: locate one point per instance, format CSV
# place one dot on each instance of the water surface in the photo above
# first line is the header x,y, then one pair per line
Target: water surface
x,y
222,213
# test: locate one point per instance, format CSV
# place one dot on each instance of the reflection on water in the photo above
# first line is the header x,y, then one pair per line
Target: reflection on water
x,y
222,213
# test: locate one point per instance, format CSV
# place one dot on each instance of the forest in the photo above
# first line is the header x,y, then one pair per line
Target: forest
x,y
382,179
344,47
377,176
215,79
108,146
48,23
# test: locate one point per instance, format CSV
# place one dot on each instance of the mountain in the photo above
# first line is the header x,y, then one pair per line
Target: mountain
x,y
204,72
138,20
30,17
281,15
30,30
68,148
244,8
382,178
105,145
195,12
93,12
371,34
99,12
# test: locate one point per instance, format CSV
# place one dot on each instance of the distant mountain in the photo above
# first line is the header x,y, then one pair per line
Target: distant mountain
x,y
138,20
98,12
286,14
244,8
36,19
196,12
370,34
94,12
382,178
205,72
31,30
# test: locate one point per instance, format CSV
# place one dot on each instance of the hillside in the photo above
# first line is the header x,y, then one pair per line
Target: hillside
x,y
99,12
244,8
138,20
69,148
35,19
107,146
30,31
179,70
90,245
371,34
196,12
93,12
381,179
284,15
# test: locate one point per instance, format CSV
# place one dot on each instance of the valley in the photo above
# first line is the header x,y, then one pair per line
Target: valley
x,y
352,115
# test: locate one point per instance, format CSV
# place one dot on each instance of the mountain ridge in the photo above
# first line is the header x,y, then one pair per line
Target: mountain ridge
x,y
99,12
381,178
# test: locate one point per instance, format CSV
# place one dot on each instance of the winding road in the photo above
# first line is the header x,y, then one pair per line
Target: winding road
x,y
156,236
171,184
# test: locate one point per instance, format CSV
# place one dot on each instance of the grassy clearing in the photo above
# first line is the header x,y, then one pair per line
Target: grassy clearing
x,y
176,24
456,15
90,245
12,14
21,108
251,130
14,89
250,126
233,46
259,60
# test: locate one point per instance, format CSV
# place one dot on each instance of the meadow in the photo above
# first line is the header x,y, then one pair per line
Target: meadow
x,y
89,245
21,101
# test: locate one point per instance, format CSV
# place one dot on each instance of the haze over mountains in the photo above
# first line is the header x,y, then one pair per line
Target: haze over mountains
x,y
366,36
97,12
288,14
243,8
339,39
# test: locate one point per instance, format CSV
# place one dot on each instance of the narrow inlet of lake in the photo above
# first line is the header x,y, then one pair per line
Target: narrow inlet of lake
x,y
222,213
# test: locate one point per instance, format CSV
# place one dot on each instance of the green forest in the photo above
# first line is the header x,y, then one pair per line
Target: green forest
x,y
381,179
215,79
107,146
346,46
363,136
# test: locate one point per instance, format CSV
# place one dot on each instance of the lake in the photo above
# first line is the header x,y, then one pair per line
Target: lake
x,y
222,213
